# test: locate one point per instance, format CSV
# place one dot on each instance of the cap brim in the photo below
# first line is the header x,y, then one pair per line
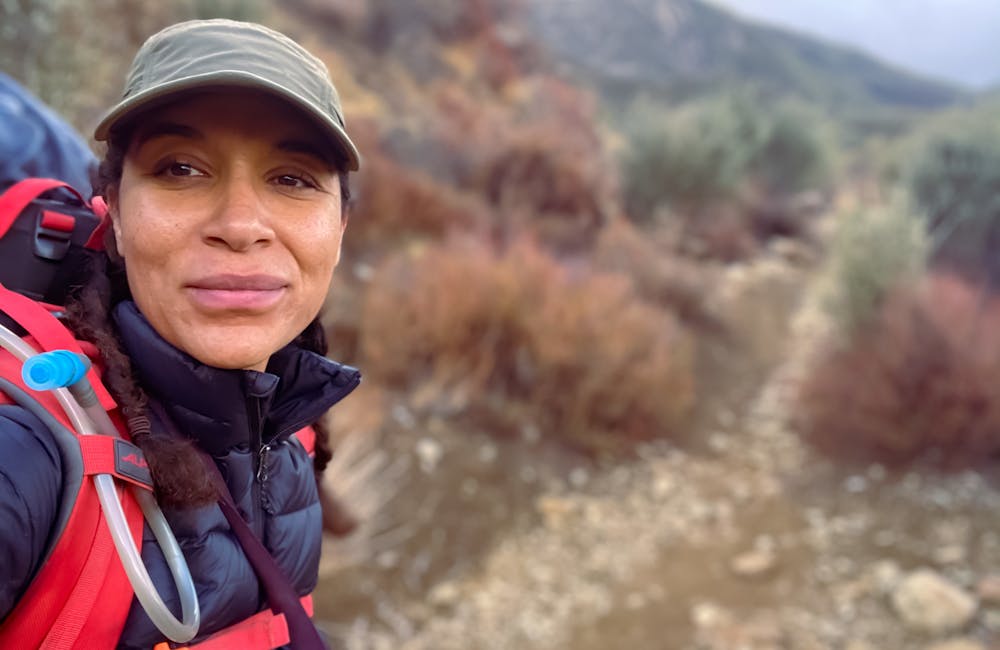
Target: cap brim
x,y
130,107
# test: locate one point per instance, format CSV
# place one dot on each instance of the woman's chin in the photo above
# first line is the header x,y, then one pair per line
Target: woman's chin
x,y
232,352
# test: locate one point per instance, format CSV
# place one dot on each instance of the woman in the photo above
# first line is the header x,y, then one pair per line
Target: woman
x,y
226,182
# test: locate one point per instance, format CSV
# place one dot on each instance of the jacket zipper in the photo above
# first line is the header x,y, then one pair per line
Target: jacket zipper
x,y
257,448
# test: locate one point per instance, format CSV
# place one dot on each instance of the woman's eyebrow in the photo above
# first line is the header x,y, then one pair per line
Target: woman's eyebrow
x,y
162,129
307,148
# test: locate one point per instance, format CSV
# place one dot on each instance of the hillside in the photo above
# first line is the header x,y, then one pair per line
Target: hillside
x,y
684,48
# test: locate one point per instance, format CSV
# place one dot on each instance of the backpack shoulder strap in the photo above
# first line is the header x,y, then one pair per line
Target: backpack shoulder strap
x,y
80,597
49,333
262,631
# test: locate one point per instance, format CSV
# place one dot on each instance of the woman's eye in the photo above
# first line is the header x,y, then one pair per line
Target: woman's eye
x,y
180,169
290,180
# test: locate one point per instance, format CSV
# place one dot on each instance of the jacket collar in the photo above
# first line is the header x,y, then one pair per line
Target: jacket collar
x,y
217,407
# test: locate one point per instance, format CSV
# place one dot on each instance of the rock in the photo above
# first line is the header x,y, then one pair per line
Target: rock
x,y
556,511
488,454
856,484
886,574
957,644
988,590
429,453
578,477
662,486
444,594
928,602
757,563
705,615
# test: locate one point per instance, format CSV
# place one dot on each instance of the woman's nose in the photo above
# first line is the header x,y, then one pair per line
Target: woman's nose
x,y
239,218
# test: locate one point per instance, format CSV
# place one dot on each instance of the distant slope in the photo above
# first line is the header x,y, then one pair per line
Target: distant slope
x,y
684,48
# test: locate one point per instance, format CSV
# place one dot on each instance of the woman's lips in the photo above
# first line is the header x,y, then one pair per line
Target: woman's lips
x,y
237,292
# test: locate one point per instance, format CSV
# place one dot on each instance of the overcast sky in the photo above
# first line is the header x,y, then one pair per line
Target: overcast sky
x,y
956,40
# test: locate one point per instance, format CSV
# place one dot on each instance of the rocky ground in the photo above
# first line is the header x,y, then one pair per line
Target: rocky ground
x,y
746,541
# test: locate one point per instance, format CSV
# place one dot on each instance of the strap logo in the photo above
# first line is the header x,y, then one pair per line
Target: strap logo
x,y
130,463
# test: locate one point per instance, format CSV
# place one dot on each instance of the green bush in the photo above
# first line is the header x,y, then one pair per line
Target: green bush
x,y
709,151
795,154
687,159
874,251
955,184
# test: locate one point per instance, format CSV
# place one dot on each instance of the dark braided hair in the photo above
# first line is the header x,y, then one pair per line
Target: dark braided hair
x,y
178,473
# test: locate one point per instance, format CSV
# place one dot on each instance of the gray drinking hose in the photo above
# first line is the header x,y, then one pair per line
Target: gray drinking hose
x,y
52,371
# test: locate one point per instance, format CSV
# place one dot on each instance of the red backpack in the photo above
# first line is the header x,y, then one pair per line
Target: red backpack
x,y
81,568
80,597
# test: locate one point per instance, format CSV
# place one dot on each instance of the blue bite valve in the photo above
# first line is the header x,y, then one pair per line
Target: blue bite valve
x,y
55,369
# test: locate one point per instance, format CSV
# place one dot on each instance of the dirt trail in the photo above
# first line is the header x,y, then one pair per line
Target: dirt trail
x,y
747,541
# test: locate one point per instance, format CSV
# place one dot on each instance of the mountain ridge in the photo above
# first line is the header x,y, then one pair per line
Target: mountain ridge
x,y
684,48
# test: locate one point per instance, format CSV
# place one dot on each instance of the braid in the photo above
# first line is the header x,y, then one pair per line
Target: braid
x,y
313,338
178,474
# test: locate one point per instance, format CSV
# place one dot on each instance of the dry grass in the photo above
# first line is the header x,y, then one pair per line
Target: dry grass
x,y
918,383
515,340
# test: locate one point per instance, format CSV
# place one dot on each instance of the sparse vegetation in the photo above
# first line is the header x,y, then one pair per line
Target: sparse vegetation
x,y
515,340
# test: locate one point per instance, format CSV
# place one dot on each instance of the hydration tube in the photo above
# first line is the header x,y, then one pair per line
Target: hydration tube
x,y
55,371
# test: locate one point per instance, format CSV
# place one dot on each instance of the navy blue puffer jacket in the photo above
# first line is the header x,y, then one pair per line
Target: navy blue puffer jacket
x,y
245,420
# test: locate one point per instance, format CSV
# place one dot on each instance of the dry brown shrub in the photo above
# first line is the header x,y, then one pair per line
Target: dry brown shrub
x,y
918,383
535,157
540,186
662,277
394,204
515,340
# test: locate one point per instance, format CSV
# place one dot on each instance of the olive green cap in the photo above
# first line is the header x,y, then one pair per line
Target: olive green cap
x,y
220,53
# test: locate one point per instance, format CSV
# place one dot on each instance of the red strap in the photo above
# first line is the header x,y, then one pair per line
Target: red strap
x,y
307,436
112,455
49,332
58,221
19,195
262,631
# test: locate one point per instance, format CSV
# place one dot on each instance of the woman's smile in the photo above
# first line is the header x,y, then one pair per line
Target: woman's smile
x,y
257,292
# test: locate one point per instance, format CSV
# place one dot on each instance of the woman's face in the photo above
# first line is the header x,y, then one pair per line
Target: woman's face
x,y
228,217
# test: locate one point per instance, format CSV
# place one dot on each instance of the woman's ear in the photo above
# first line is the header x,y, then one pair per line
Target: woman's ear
x,y
115,214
